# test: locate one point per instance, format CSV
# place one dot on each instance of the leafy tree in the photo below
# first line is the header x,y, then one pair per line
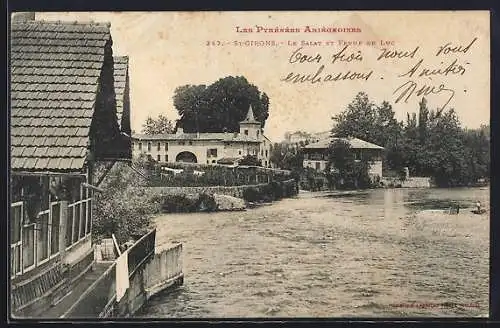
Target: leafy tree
x,y
125,208
430,142
287,156
220,106
343,170
435,145
160,125
377,124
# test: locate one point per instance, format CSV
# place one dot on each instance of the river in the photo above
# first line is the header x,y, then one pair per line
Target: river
x,y
383,253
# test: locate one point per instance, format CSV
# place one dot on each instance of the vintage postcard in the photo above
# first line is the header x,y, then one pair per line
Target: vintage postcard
x,y
250,164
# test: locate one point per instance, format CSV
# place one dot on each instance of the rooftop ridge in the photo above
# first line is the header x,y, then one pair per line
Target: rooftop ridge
x,y
60,22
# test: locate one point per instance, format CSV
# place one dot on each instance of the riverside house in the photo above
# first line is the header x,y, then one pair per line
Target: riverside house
x,y
316,154
207,148
64,127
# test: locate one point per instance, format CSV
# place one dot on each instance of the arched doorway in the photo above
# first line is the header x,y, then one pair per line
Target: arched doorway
x,y
186,157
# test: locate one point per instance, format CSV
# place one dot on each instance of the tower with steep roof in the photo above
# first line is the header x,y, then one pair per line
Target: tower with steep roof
x,y
250,126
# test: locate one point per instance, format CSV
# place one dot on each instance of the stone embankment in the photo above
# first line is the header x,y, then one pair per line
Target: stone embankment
x,y
413,182
221,198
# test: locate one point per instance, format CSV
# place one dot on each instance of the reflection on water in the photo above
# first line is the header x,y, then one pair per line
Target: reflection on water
x,y
372,253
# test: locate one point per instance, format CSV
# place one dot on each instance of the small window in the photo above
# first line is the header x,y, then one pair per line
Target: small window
x,y
190,142
208,162
213,161
239,152
265,163
318,165
266,152
246,132
149,146
261,152
166,158
133,145
140,145
212,152
158,158
158,146
257,133
166,145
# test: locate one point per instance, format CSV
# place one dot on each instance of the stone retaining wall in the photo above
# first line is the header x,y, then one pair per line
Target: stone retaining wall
x,y
234,191
413,182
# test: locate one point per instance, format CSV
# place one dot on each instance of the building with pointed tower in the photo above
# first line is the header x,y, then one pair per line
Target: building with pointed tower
x,y
226,148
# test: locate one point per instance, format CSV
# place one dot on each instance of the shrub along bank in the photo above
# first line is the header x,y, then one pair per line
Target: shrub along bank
x,y
273,191
208,202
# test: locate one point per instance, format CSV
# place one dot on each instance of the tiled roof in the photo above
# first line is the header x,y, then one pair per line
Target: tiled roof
x,y
228,137
55,68
250,118
120,77
354,142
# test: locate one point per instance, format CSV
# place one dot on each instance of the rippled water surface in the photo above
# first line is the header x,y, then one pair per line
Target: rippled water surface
x,y
370,253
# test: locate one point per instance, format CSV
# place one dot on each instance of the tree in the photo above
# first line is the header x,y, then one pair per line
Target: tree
x,y
125,207
220,106
377,124
287,156
343,171
160,125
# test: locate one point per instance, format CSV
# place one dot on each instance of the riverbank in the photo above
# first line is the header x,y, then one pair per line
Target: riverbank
x,y
219,198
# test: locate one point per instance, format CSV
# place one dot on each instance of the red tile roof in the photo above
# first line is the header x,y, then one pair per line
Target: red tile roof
x,y
55,69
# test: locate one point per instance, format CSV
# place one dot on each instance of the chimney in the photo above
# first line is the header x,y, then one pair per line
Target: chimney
x,y
23,16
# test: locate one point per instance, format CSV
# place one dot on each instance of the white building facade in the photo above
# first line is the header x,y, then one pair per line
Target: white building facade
x,y
316,154
207,148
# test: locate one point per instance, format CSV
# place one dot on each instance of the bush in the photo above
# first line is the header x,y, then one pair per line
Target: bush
x,y
277,189
250,160
178,204
206,203
266,193
124,208
186,204
251,194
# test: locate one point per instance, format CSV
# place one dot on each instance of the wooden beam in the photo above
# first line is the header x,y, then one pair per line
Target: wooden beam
x,y
48,173
106,170
86,185
138,172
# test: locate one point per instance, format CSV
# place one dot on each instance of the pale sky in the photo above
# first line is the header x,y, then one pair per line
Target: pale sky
x,y
169,49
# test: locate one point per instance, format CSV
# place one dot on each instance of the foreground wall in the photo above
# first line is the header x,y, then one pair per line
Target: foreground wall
x,y
161,273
